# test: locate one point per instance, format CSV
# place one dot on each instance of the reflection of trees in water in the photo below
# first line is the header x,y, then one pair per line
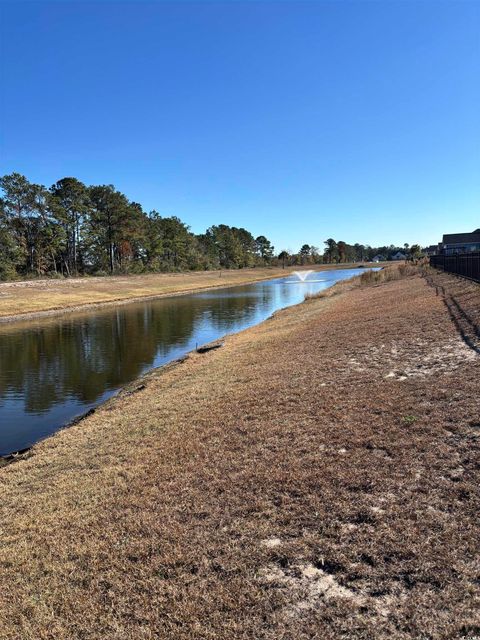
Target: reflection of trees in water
x,y
241,308
84,357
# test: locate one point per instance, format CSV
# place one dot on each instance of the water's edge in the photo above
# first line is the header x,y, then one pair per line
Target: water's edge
x,y
129,389
92,306
138,383
132,387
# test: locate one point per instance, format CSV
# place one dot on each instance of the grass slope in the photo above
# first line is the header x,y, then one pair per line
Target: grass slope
x,y
315,478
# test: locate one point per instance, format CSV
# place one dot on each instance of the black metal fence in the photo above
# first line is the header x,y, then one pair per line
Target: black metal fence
x,y
463,264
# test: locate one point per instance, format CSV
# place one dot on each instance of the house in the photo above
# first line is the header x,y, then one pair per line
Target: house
x,y
378,258
432,250
454,243
399,256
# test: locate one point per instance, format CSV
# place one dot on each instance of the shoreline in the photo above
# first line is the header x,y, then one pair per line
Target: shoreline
x,y
138,383
91,306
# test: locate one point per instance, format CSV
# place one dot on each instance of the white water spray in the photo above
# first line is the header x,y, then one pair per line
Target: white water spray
x,y
302,275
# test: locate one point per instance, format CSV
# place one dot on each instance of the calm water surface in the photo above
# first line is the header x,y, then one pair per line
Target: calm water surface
x,y
54,369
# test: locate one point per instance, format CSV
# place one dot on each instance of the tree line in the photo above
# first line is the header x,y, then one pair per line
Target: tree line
x,y
73,229
341,252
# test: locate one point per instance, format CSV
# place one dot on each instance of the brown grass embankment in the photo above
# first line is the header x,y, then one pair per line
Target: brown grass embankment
x,y
388,273
315,477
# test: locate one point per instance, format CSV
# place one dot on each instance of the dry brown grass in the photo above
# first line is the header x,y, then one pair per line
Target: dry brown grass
x,y
39,297
388,273
283,487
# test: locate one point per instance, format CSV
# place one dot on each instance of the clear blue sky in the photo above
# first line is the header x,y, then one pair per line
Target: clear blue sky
x,y
299,120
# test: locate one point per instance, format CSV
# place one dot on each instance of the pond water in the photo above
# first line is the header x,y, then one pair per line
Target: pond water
x,y
54,369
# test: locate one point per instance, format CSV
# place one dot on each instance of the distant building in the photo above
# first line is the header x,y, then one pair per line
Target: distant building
x,y
460,243
378,259
432,250
399,256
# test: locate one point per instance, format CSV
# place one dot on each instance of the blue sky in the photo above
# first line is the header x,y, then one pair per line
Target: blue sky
x,y
299,120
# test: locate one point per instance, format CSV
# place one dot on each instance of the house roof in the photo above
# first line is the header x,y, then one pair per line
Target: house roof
x,y
461,238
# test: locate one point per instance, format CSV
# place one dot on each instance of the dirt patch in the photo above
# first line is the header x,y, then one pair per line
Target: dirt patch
x,y
419,358
307,586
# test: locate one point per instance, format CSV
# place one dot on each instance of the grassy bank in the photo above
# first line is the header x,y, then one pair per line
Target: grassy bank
x,y
315,477
390,272
40,297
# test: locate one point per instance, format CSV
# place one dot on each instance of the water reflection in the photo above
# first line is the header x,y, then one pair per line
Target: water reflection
x,y
54,369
